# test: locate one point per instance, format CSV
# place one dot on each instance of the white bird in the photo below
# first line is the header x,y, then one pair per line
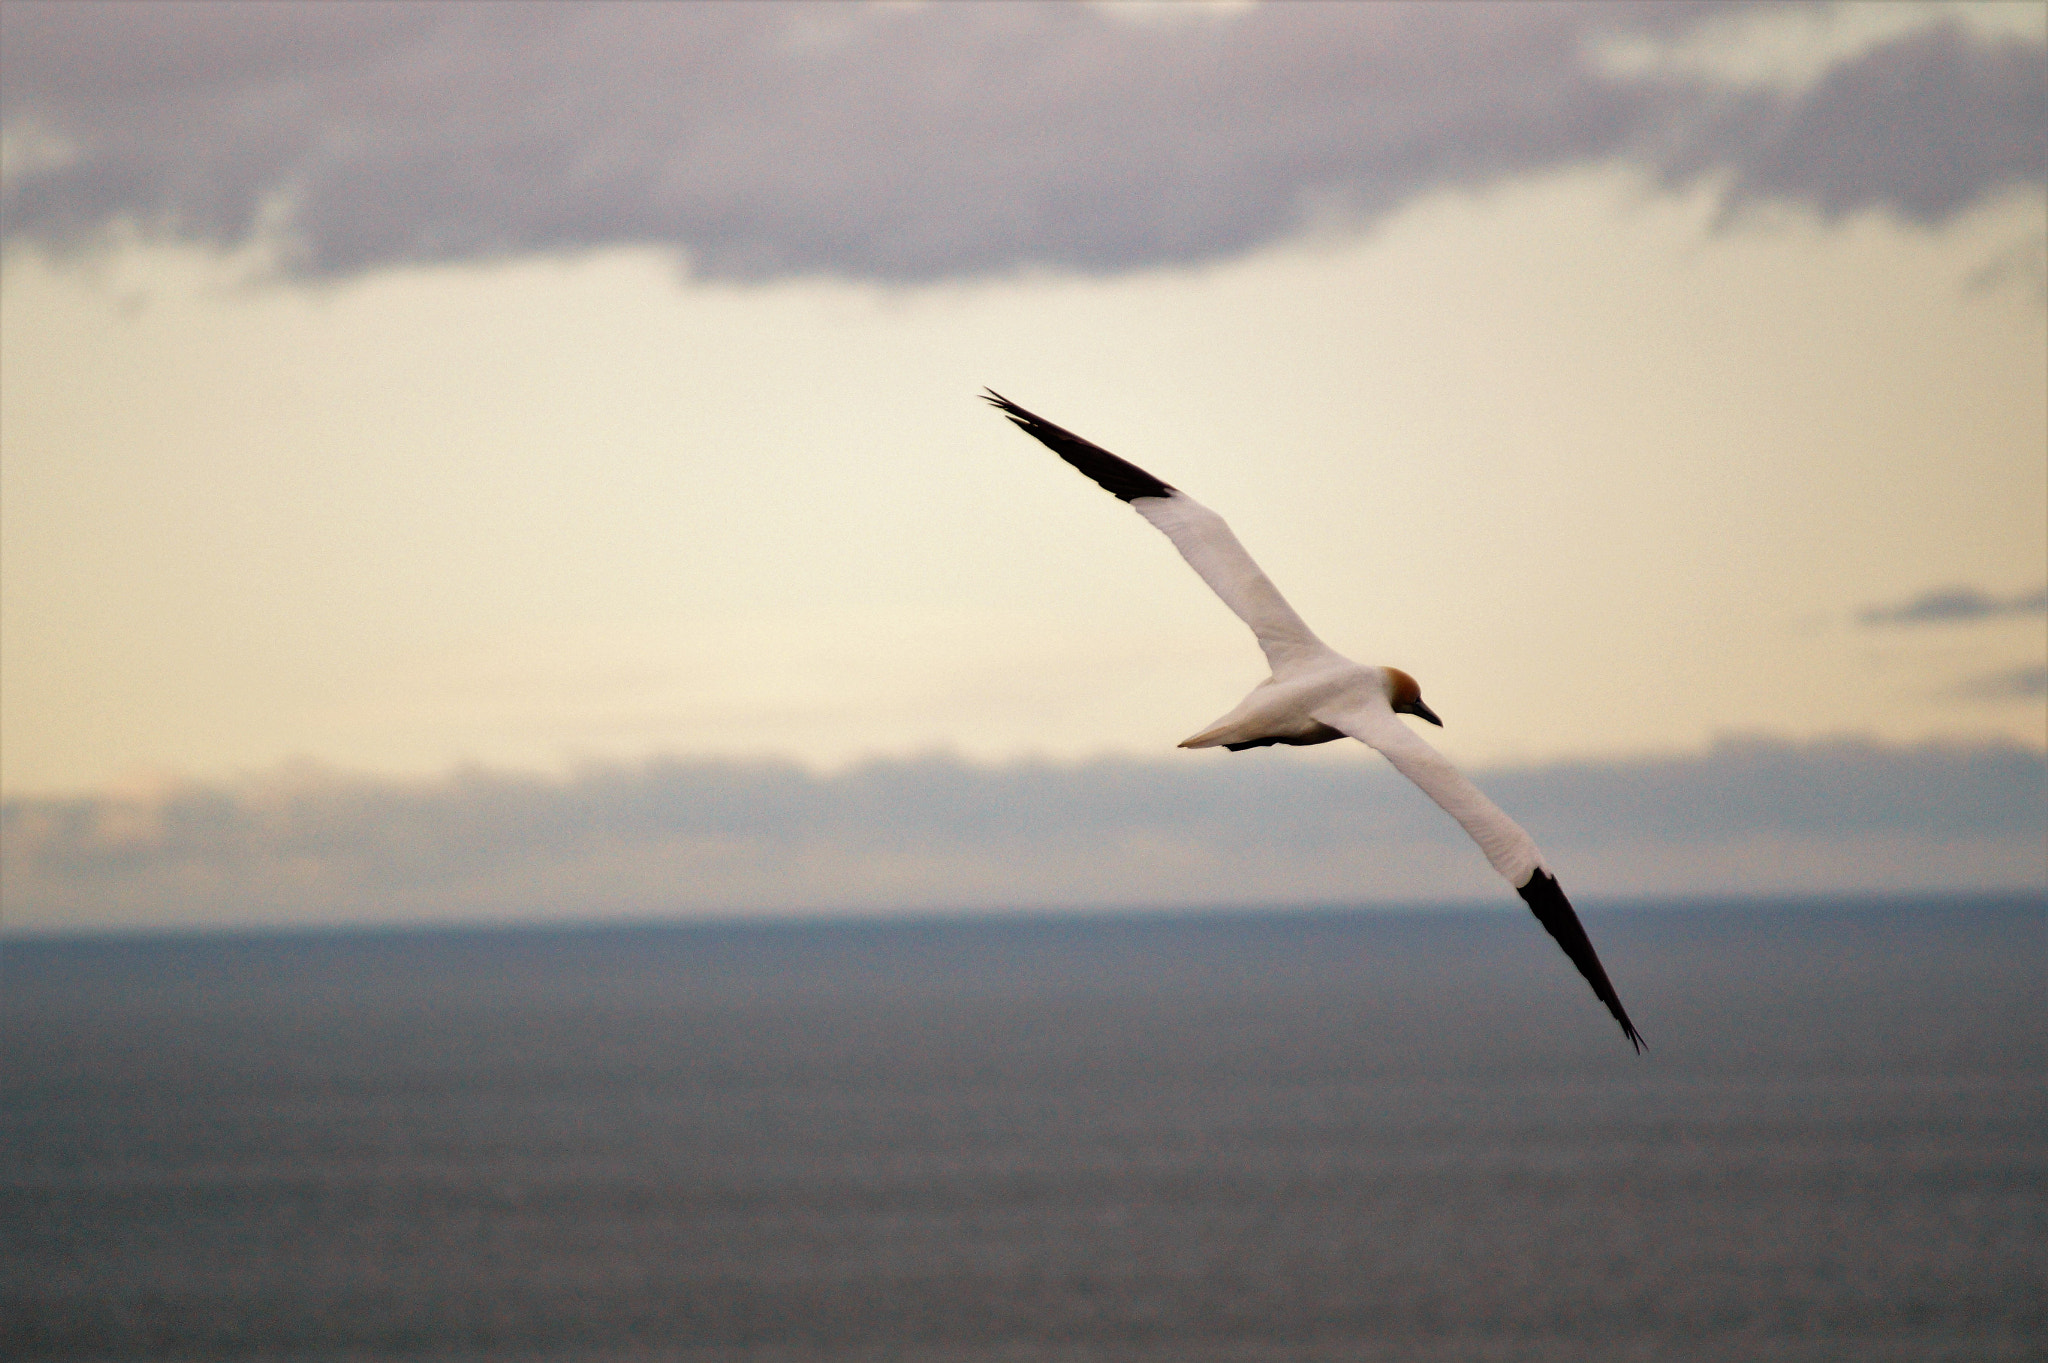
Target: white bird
x,y
1316,694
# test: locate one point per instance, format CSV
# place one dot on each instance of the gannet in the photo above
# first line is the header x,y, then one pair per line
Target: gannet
x,y
1316,694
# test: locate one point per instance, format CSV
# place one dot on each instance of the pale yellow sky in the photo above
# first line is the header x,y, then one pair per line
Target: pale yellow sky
x,y
524,461
1609,478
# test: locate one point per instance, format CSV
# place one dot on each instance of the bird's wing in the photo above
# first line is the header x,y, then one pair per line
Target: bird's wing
x,y
1199,533
1513,852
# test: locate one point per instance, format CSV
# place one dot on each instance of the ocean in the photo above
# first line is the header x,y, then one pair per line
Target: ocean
x,y
1243,1137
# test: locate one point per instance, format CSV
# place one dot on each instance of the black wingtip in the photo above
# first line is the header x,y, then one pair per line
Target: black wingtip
x,y
1545,898
1122,479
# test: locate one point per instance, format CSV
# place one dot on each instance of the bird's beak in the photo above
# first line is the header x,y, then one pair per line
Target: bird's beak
x,y
1421,711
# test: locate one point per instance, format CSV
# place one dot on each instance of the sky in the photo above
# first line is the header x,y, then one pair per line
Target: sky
x,y
456,458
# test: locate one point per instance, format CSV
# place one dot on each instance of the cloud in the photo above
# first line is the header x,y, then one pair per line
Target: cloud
x,y
1957,606
917,143
709,838
2019,683
1917,128
2021,265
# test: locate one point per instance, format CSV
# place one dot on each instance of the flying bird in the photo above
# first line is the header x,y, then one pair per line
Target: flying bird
x,y
1316,694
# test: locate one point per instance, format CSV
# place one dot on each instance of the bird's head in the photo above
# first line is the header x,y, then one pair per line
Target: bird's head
x,y
1404,693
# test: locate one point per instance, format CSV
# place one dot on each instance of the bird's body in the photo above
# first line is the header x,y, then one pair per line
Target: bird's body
x,y
1316,694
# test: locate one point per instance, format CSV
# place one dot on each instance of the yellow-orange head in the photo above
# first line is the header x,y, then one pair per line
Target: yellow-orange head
x,y
1404,693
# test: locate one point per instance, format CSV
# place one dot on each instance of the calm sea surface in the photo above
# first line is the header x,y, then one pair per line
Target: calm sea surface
x,y
1228,1137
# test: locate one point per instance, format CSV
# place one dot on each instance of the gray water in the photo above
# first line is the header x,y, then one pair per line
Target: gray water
x,y
1336,1135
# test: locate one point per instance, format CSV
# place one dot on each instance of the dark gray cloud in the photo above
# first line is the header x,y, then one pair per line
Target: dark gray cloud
x,y
1957,606
707,837
919,143
1918,128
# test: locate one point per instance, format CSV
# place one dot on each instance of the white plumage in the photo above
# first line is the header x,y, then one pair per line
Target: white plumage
x,y
1315,694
